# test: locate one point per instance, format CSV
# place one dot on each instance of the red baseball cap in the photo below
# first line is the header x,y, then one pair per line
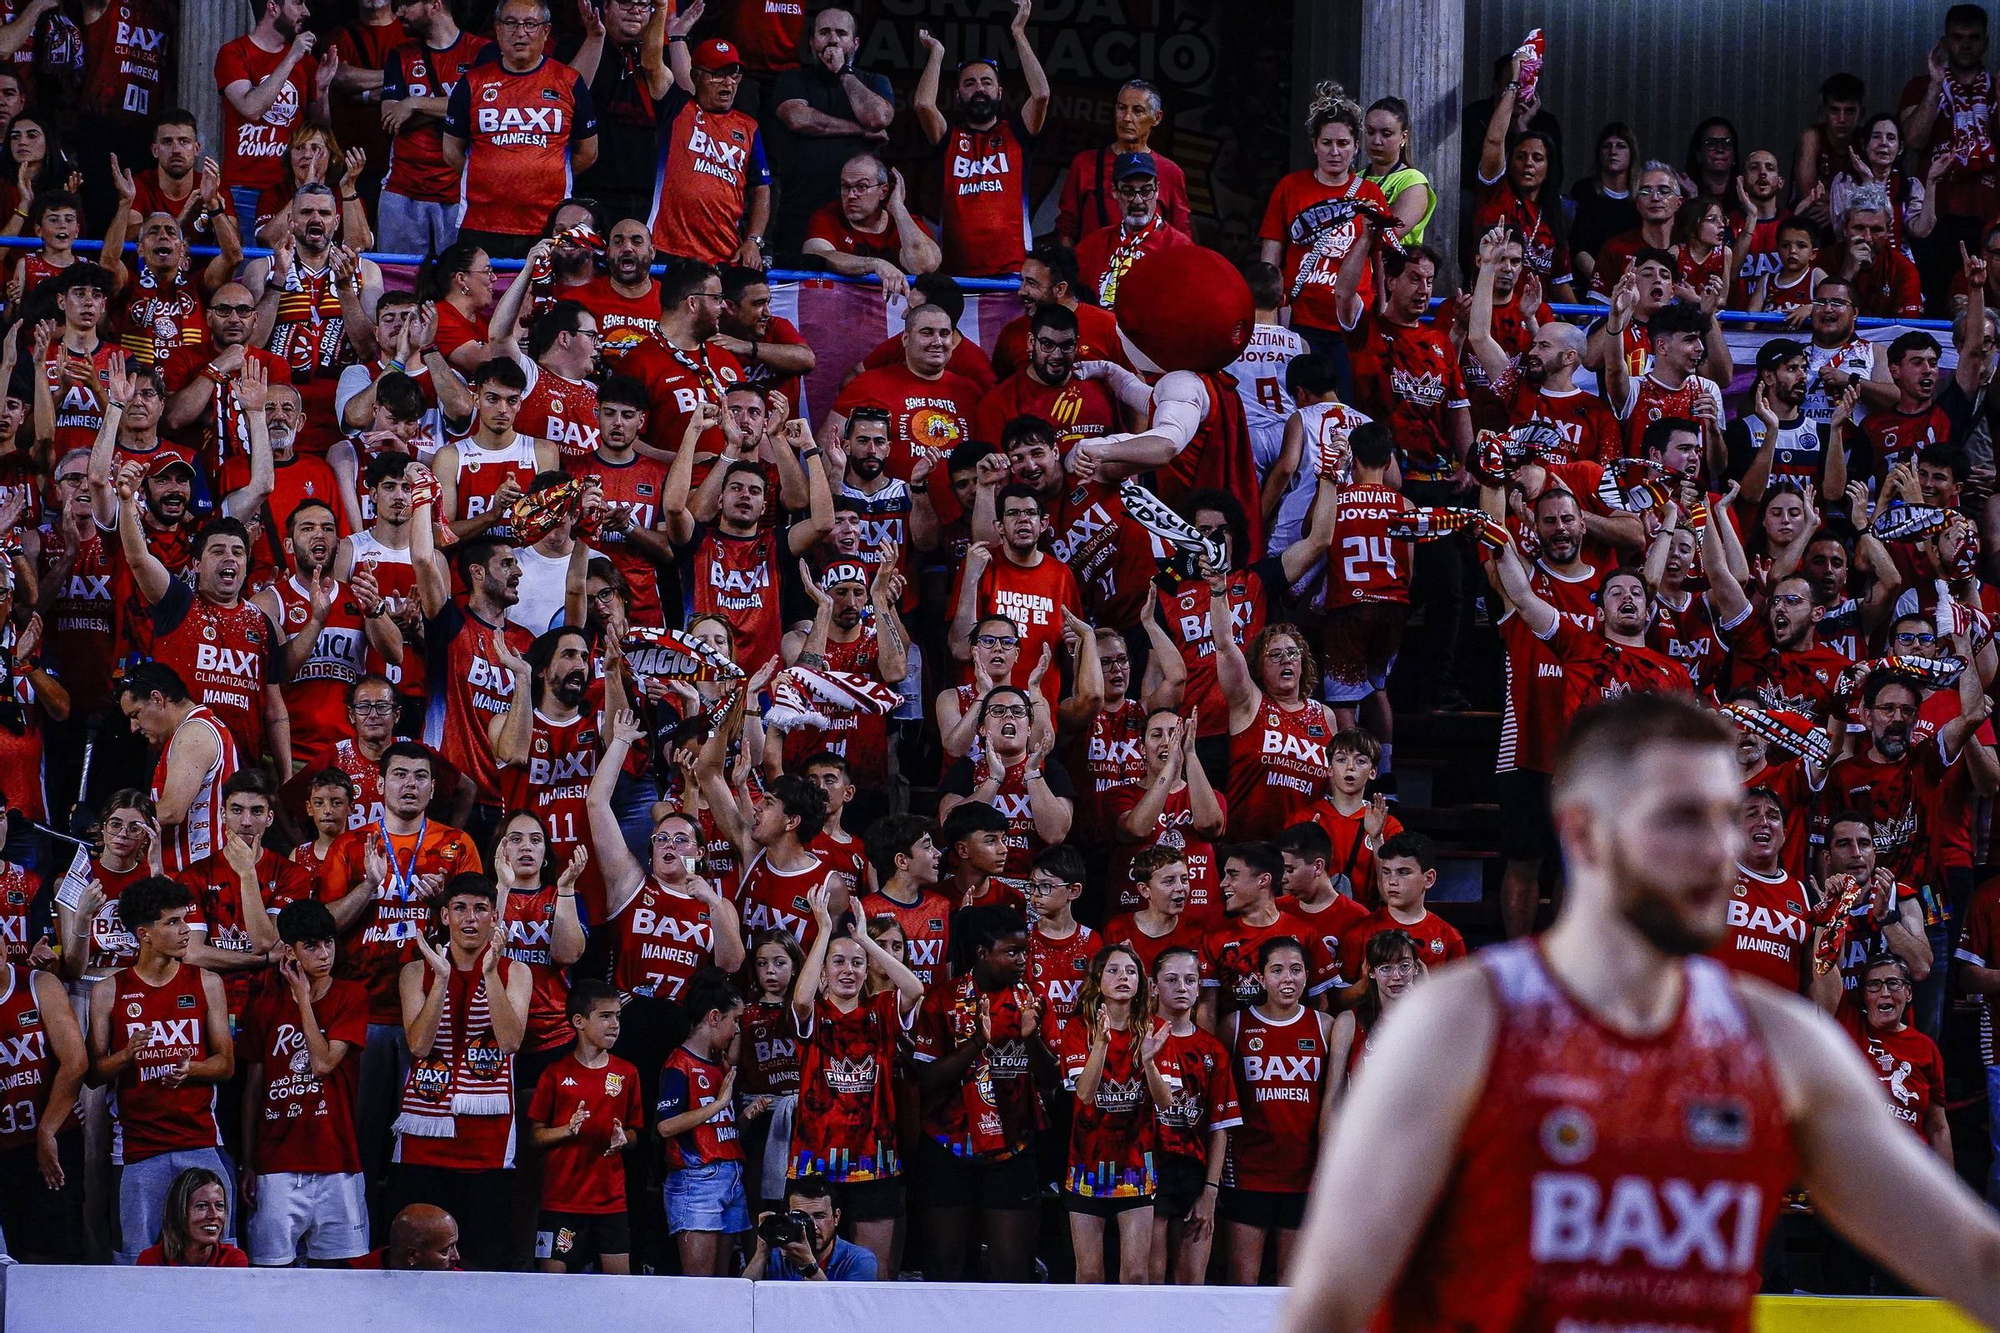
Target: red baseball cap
x,y
165,458
715,54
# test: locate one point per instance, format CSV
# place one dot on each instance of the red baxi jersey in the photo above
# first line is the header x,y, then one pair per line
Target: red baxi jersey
x,y
148,1118
1768,934
769,1065
861,736
27,1065
1408,376
1604,1181
1112,558
562,759
926,927
1590,432
1185,611
636,487
305,1122
1365,564
773,899
845,1126
710,164
1532,714
583,1175
124,54
1909,1065
1198,1071
1111,1136
1281,1078
738,579
519,129
78,636
468,688
688,1082
1277,768
1057,968
530,936
223,653
664,938
560,410
199,836
316,695
417,168
985,198
1108,756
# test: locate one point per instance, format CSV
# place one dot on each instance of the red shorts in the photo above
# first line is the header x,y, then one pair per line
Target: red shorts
x,y
1359,649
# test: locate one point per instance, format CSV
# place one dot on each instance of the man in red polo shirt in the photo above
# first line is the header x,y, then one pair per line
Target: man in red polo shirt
x,y
713,197
985,154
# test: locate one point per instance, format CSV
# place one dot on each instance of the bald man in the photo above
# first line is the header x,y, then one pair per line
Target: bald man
x,y
1539,384
422,1239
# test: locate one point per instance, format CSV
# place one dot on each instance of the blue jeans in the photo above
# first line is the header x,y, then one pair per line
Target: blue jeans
x,y
405,226
632,800
245,198
1927,1004
142,1196
385,1064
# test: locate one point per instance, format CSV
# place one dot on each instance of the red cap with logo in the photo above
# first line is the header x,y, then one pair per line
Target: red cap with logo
x,y
716,54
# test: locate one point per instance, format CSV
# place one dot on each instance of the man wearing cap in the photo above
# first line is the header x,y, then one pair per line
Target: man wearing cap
x,y
714,195
1108,253
830,111
1088,201
985,168
1776,440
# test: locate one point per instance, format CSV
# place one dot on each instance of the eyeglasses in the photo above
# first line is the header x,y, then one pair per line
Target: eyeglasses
x,y
1283,655
1013,514
1050,345
377,708
1916,638
605,596
1006,710
1138,190
1657,192
1393,970
221,308
1833,302
1788,599
861,187
521,25
997,641
673,840
1718,143
1880,984
486,272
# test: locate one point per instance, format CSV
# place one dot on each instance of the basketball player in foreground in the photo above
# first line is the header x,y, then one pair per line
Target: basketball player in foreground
x,y
1593,1129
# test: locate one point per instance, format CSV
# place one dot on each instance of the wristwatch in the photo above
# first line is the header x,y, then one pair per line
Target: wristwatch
x,y
757,241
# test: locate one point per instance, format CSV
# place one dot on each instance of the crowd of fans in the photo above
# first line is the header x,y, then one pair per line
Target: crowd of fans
x,y
487,782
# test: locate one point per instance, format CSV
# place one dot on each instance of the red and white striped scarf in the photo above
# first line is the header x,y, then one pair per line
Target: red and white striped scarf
x,y
475,1080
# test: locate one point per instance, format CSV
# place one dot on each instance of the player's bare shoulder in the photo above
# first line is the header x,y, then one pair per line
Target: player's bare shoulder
x,y
1442,1033
1803,1045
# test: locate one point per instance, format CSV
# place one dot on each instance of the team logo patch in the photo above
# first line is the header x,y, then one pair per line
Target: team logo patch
x,y
613,1084
1719,1126
30,1018
550,95
565,1240
208,632
1568,1136
1437,946
297,615
645,488
1309,1043
184,1002
134,1009
15,897
936,925
491,93
1254,1044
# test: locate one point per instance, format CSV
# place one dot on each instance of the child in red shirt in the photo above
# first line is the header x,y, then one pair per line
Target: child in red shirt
x,y
585,1111
696,1118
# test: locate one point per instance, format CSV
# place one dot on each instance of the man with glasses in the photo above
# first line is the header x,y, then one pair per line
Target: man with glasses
x,y
1106,254
713,201
677,363
370,728
520,126
1657,197
1049,387
422,196
621,54
1088,201
200,381
868,228
1014,577
559,357
985,155
1837,356
831,112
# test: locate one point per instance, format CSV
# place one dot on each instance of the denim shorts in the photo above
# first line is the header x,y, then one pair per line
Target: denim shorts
x,y
707,1198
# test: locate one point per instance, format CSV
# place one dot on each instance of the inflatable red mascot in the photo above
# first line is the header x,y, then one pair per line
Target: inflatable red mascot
x,y
1184,315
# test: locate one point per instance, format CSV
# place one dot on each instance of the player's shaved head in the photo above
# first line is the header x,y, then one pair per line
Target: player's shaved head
x,y
423,1237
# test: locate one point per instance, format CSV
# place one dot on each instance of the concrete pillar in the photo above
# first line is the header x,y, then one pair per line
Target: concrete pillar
x,y
1415,50
205,28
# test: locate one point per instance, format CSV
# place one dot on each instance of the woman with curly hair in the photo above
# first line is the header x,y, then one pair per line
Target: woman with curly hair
x,y
1278,730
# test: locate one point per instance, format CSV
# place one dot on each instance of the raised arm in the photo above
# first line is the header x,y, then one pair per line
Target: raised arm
x,y
620,870
1725,590
148,574
1232,669
1491,356
1035,110
925,100
1493,148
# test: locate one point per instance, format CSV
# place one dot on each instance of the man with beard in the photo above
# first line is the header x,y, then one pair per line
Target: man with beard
x,y
158,309
625,297
774,354
1770,935
1565,576
1657,197
712,200
221,644
386,549
559,357
421,201
520,126
1838,356
1775,652
1897,433
546,744
732,565
930,408
469,681
833,116
1048,386
181,182
869,228
1514,312
985,155
323,626
1776,440
482,474
1106,254
676,362
1763,184
370,707
634,535
296,479
201,379
315,307
1475,1068
1049,277
1611,661
271,84
1670,388
1540,383
622,58
890,513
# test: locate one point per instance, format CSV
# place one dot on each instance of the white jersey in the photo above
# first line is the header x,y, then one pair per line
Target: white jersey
x,y
1318,423
1856,356
1260,383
